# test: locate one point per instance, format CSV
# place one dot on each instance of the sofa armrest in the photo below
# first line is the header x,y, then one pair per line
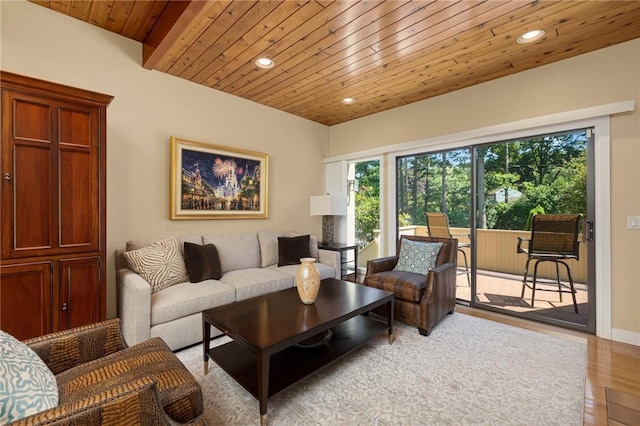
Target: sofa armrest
x,y
138,399
134,306
67,349
331,258
381,265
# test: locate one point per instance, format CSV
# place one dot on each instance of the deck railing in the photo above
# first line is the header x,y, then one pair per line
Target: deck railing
x,y
496,251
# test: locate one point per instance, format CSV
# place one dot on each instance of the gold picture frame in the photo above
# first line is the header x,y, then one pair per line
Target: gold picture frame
x,y
217,182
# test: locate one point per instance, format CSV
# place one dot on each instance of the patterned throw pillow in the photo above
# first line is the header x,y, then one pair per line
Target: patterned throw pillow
x,y
27,386
161,264
417,257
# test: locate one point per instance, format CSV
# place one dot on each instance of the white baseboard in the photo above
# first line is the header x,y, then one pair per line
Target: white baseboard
x,y
625,336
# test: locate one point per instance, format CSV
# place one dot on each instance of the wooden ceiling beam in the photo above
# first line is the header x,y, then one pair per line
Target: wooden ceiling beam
x,y
172,22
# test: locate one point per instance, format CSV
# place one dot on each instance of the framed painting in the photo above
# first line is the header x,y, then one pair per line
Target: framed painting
x,y
217,182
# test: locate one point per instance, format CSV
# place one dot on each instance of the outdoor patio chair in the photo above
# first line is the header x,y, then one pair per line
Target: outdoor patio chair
x,y
438,226
554,238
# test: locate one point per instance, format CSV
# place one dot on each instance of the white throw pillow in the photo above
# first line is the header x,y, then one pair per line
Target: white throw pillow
x,y
27,386
161,264
418,257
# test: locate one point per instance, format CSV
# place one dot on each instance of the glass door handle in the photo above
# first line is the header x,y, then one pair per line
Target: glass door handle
x,y
587,231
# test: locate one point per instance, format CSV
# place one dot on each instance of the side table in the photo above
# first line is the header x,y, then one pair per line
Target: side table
x,y
344,258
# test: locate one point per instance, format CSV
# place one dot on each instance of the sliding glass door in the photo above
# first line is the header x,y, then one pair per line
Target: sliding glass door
x,y
511,181
438,182
516,180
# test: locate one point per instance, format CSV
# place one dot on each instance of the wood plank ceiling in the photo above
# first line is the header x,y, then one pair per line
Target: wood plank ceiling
x,y
384,54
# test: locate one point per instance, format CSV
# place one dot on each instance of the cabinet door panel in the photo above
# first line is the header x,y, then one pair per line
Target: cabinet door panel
x,y
25,300
31,121
79,176
33,189
80,292
75,127
78,200
28,184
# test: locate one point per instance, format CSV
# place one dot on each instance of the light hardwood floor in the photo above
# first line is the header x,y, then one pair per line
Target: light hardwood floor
x,y
609,364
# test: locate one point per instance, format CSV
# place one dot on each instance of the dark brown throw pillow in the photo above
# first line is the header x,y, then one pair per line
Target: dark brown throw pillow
x,y
202,262
291,249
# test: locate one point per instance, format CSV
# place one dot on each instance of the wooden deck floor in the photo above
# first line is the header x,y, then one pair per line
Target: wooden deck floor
x,y
504,291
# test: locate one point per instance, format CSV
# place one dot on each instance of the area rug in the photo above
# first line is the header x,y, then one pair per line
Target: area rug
x,y
469,371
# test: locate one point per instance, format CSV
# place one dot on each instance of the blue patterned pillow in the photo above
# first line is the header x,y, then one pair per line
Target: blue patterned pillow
x,y
27,386
417,257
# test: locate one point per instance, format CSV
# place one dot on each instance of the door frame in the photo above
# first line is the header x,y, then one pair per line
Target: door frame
x,y
529,128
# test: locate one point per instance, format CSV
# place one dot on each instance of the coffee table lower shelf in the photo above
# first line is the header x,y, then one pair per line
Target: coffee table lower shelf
x,y
294,364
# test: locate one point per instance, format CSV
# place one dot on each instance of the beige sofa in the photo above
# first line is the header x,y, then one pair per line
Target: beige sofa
x,y
249,265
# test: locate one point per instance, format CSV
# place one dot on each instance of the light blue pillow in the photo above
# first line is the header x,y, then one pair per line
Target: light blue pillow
x,y
417,257
27,386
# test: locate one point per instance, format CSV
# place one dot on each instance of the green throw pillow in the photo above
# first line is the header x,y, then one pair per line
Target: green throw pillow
x,y
417,257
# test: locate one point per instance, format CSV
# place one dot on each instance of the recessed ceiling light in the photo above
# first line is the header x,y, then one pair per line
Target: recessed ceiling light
x,y
265,63
531,36
348,101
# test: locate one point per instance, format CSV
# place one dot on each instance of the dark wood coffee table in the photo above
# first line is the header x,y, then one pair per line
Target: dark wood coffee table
x,y
262,356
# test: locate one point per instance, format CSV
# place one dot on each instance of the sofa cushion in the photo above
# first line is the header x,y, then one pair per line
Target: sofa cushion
x,y
27,385
255,282
187,298
417,257
325,271
202,262
291,249
269,247
236,251
160,264
404,285
178,390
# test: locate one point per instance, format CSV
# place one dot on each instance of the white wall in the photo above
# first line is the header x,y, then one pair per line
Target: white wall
x,y
147,109
605,76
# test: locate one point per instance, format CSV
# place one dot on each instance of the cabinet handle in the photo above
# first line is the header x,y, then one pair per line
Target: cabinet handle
x,y
7,177
65,306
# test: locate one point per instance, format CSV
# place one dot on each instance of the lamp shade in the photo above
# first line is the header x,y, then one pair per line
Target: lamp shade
x,y
328,205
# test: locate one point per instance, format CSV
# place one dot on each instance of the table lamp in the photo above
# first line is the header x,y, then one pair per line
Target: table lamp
x,y
328,206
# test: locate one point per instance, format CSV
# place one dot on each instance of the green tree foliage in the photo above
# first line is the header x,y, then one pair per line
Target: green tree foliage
x,y
435,182
367,209
546,171
549,171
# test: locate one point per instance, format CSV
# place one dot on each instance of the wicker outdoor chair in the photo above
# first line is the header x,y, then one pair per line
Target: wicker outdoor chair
x,y
438,226
554,238
101,381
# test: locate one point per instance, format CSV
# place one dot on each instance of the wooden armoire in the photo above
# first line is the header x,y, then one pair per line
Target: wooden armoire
x,y
53,195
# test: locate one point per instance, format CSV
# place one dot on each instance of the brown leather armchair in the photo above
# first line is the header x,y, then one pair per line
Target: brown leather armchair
x,y
420,300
